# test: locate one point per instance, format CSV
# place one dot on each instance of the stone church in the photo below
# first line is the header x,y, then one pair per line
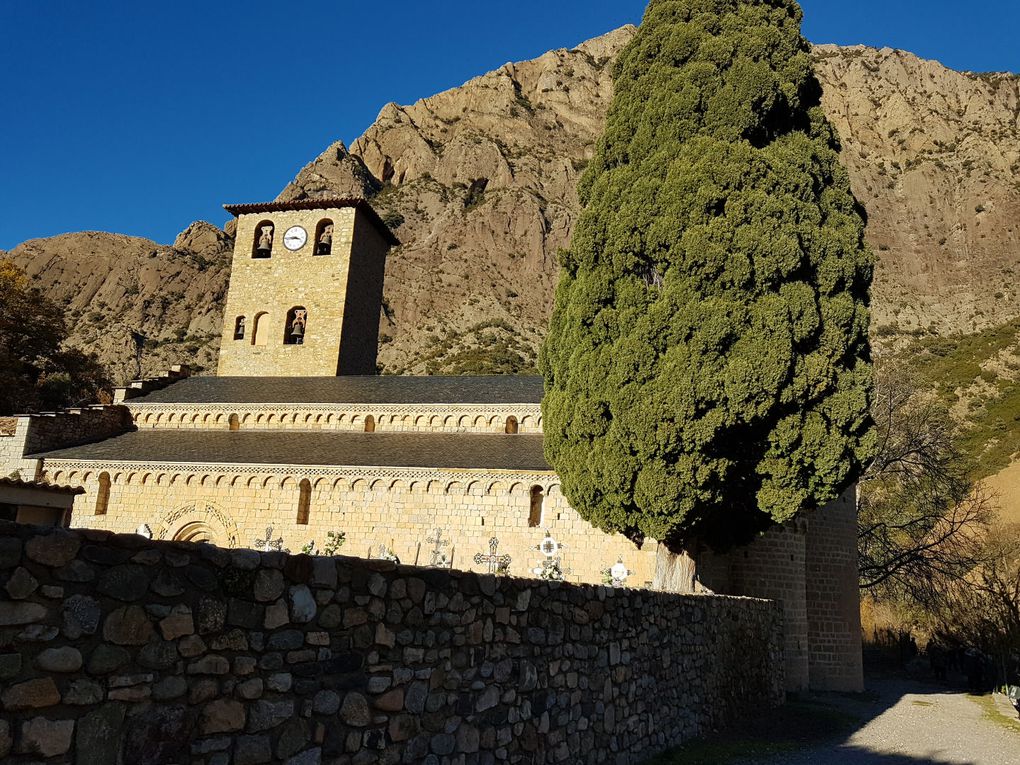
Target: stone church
x,y
297,440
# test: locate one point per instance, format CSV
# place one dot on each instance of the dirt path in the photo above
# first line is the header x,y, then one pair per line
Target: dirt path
x,y
913,722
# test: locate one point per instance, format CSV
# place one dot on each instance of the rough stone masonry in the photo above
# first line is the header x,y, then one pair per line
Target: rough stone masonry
x,y
118,649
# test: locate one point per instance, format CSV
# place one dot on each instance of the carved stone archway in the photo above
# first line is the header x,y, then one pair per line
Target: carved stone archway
x,y
198,522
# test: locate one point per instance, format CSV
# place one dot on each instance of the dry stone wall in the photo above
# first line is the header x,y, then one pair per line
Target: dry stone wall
x,y
119,649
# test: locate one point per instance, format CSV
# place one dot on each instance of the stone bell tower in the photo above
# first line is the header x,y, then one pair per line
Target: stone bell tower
x,y
305,290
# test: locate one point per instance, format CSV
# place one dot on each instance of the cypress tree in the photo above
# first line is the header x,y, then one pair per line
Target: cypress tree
x,y
707,366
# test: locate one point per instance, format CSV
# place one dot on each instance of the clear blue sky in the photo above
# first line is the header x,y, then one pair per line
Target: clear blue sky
x,y
139,117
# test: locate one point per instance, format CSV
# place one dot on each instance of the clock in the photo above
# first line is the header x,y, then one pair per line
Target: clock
x,y
295,238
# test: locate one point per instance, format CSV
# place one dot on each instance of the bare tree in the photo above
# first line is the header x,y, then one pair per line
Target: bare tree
x,y
922,520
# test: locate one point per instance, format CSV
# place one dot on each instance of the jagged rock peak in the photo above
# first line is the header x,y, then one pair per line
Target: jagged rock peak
x,y
335,172
202,237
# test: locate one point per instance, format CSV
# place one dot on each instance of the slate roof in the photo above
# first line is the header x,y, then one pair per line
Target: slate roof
x,y
317,204
431,450
377,389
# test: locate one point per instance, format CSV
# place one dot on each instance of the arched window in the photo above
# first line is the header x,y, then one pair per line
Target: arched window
x,y
103,497
535,513
260,332
511,425
262,241
235,423
324,237
294,330
304,502
239,328
370,424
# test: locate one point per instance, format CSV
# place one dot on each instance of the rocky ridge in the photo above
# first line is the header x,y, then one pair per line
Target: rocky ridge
x,y
479,184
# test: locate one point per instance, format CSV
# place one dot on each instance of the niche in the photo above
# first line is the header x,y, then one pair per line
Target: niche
x,y
511,425
294,329
304,502
262,241
535,513
239,328
324,237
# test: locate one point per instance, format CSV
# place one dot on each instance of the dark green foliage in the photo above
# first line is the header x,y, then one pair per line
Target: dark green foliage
x,y
707,366
37,371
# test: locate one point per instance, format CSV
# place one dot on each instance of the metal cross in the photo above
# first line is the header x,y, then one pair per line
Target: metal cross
x,y
269,544
494,561
438,557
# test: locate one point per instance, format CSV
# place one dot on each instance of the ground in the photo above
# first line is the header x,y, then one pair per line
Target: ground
x,y
898,721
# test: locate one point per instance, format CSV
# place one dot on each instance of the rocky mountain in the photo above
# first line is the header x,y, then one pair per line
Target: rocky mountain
x,y
138,305
479,184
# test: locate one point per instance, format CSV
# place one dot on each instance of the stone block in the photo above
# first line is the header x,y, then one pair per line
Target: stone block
x,y
46,738
128,625
179,623
31,694
62,660
21,584
55,549
14,613
222,716
81,616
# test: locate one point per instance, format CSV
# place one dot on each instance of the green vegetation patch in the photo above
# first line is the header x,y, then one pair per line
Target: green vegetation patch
x,y
957,367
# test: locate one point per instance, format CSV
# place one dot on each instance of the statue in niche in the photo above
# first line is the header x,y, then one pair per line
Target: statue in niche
x,y
326,240
297,326
265,245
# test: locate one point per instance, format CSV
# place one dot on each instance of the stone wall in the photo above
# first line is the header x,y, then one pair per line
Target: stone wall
x,y
55,430
118,648
234,505
809,566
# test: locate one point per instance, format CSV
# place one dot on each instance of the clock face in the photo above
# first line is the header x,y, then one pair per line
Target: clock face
x,y
295,238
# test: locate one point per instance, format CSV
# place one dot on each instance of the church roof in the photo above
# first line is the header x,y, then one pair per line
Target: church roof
x,y
453,451
379,389
321,203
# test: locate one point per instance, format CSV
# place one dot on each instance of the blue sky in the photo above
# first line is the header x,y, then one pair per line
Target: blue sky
x,y
140,117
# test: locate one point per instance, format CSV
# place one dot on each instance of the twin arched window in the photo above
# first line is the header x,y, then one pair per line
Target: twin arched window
x,y
265,234
293,332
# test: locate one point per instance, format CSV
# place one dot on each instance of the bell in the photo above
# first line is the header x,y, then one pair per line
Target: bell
x,y
298,333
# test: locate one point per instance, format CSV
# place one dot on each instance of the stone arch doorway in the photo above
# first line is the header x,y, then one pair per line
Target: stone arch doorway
x,y
195,532
198,522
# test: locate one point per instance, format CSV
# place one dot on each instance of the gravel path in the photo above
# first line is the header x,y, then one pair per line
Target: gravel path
x,y
917,723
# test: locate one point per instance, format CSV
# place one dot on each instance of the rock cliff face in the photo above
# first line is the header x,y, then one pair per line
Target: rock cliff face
x,y
479,184
138,305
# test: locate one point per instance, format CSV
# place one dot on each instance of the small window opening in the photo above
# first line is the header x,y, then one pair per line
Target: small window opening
x,y
294,332
535,514
235,422
511,425
324,237
370,424
239,328
103,497
262,246
304,502
259,334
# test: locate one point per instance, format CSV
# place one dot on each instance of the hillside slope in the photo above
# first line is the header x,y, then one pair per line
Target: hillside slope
x,y
479,184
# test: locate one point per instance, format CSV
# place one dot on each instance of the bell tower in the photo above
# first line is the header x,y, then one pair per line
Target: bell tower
x,y
305,291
